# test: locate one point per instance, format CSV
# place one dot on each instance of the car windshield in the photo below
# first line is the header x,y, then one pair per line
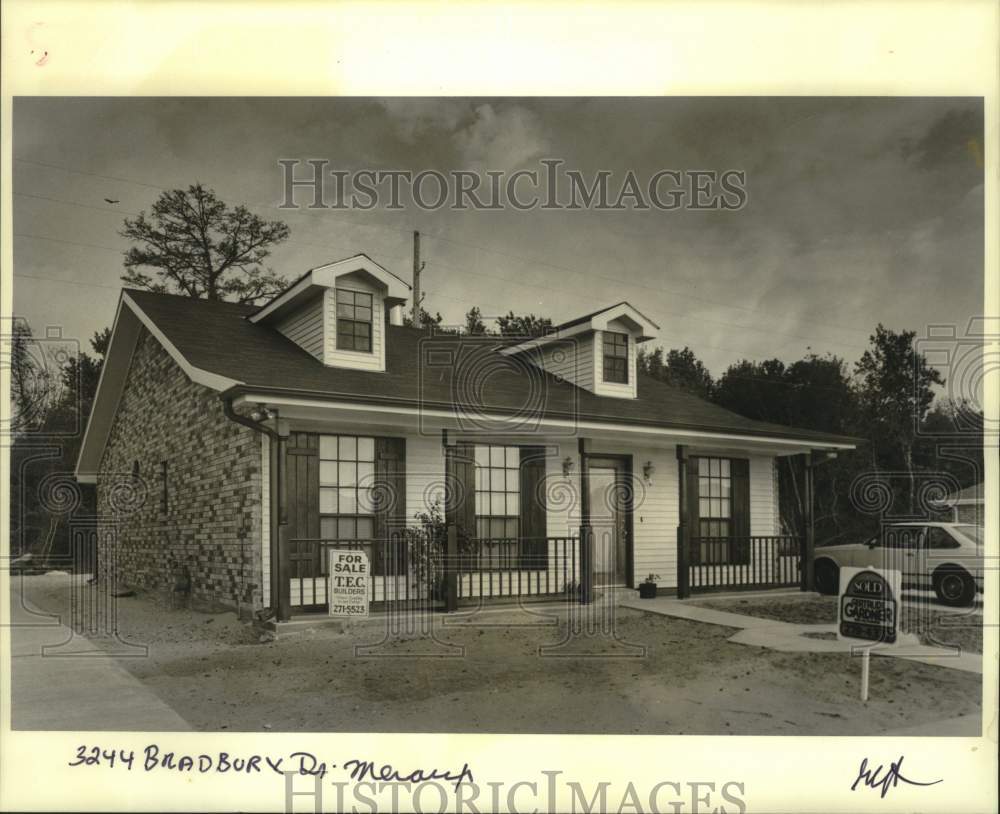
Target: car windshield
x,y
972,532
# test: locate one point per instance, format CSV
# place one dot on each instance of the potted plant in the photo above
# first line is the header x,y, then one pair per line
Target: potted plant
x,y
647,589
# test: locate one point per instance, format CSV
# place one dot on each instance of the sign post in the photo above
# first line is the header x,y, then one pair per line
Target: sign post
x,y
347,584
868,611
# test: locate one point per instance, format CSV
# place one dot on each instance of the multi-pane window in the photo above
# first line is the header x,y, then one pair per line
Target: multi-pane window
x,y
346,478
354,320
615,357
498,491
714,497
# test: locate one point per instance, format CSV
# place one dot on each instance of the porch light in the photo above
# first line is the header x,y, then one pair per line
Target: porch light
x,y
648,470
567,466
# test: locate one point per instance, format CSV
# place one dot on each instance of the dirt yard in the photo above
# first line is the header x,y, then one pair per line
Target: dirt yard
x,y
214,671
934,626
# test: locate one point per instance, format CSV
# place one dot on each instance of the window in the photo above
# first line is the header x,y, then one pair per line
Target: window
x,y
354,320
498,491
498,505
903,537
974,533
346,478
714,497
938,538
615,357
715,513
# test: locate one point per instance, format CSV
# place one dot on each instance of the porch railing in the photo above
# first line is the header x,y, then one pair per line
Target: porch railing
x,y
518,566
402,569
417,569
744,563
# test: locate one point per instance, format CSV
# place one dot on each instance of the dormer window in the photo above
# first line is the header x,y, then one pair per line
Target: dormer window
x,y
615,357
354,320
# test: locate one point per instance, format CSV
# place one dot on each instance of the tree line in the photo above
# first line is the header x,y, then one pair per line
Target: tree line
x,y
195,245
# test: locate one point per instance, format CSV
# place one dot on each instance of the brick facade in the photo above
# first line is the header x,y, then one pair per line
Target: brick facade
x,y
200,530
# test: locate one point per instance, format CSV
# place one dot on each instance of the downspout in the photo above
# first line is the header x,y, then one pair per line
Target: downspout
x,y
278,605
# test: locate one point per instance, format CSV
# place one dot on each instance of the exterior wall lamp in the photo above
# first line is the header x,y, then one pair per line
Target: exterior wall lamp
x,y
648,470
567,466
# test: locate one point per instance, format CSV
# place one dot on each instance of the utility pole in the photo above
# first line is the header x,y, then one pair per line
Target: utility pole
x,y
418,267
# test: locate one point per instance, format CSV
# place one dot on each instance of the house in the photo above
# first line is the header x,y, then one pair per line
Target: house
x,y
234,446
967,505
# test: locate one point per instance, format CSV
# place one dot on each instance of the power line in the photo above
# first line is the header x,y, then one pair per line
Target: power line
x,y
518,258
68,242
113,210
65,281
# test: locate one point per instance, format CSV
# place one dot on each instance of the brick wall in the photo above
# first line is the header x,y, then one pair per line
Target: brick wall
x,y
209,535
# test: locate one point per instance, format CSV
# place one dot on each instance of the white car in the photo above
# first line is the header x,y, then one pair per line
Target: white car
x,y
945,556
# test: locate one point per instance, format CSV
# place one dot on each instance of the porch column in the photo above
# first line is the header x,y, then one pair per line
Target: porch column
x,y
683,525
808,547
279,476
586,536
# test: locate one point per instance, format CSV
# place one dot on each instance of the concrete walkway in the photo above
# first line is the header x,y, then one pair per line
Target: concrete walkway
x,y
62,681
791,638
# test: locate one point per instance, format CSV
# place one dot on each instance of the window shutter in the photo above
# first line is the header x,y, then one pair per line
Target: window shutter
x,y
740,523
460,489
389,499
302,494
534,547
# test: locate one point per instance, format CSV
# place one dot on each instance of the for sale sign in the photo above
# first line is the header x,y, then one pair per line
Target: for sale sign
x,y
347,584
869,604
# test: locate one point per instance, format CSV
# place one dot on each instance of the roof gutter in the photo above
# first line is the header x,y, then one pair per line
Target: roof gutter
x,y
842,441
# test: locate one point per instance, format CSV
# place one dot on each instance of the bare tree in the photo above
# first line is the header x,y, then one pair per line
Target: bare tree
x,y
200,247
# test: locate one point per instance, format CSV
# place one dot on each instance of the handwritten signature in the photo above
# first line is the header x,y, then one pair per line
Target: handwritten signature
x,y
359,769
873,778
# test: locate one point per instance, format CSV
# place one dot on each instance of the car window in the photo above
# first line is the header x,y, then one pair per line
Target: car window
x,y
972,532
939,538
903,537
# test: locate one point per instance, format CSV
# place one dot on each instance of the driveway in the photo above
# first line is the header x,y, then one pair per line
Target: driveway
x,y
61,680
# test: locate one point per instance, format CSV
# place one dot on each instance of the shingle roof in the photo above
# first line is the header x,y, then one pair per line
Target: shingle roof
x,y
217,337
592,314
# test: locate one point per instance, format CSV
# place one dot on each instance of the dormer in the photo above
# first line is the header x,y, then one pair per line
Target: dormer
x,y
339,312
596,352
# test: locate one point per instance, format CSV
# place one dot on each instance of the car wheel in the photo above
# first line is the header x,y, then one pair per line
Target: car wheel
x,y
826,578
954,587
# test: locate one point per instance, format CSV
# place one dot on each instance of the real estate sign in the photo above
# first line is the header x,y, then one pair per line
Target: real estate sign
x,y
869,604
347,584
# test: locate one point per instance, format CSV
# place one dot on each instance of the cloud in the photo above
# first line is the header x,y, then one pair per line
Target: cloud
x,y
951,139
502,139
414,118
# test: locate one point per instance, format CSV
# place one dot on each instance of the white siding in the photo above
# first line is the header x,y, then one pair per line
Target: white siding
x,y
762,515
424,474
358,360
603,388
305,327
655,515
655,504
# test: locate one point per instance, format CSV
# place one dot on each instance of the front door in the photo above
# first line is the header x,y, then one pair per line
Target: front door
x,y
608,515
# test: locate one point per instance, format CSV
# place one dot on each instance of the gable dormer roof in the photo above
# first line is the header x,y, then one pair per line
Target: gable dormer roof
x,y
642,326
322,277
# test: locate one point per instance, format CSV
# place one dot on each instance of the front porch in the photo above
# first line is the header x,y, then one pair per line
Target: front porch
x,y
415,573
453,519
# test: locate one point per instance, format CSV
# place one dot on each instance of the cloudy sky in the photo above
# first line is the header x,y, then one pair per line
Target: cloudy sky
x,y
859,211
